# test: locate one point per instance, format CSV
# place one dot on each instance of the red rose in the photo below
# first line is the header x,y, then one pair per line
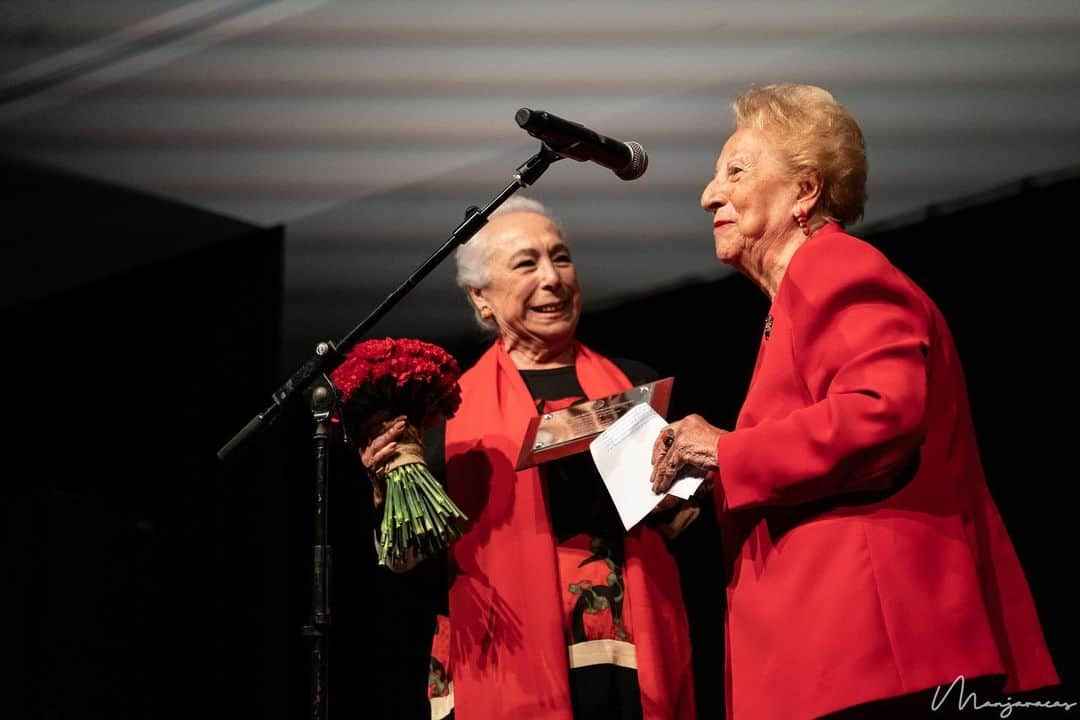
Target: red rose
x,y
400,377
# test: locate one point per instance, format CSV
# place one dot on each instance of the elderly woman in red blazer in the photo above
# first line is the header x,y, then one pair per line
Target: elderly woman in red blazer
x,y
867,559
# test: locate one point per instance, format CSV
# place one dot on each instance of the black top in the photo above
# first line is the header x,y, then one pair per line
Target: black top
x,y
577,499
578,502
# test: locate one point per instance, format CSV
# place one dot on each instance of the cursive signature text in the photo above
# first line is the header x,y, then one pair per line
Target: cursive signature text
x,y
1006,706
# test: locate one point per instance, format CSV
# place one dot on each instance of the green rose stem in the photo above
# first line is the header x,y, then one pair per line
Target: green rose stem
x,y
419,518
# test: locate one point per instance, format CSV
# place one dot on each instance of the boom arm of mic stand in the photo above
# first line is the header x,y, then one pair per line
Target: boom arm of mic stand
x,y
329,355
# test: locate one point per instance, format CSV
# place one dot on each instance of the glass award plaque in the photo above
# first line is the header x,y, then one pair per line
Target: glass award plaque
x,y
568,431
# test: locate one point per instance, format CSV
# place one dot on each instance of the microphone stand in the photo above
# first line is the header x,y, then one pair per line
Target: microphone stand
x,y
323,401
327,357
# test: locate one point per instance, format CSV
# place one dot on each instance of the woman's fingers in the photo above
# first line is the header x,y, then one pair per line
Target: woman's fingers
x,y
382,446
665,471
690,441
666,459
381,456
663,443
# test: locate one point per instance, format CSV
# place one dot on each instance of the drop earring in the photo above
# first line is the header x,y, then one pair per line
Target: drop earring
x,y
800,218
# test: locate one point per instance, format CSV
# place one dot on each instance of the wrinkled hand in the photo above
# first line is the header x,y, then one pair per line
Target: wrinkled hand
x,y
690,441
377,452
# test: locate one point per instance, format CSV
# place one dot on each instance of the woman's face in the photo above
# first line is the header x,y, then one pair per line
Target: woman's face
x,y
533,293
751,198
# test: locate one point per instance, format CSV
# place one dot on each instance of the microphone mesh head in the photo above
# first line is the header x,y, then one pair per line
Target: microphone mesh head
x,y
639,162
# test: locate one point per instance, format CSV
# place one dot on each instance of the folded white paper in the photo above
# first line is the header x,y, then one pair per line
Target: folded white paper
x,y
623,455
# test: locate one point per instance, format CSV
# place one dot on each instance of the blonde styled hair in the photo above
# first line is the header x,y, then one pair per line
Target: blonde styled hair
x,y
813,132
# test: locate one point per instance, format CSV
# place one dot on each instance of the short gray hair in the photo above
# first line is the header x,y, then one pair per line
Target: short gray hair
x,y
472,257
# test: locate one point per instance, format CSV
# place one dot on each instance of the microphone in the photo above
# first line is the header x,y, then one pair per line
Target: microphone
x,y
569,139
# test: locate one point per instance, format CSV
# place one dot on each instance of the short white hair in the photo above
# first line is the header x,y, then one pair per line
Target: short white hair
x,y
472,257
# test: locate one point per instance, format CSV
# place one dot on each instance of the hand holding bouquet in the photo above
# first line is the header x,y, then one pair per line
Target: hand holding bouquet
x,y
389,378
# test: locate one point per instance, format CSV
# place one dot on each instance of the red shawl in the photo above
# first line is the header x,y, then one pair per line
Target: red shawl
x,y
507,646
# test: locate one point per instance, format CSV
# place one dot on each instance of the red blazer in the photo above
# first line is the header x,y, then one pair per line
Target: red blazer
x,y
842,589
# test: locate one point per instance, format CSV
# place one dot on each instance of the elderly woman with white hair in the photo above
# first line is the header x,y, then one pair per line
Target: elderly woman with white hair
x,y
870,570
555,611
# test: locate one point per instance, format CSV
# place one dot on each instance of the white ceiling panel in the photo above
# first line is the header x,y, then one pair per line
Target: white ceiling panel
x,y
367,127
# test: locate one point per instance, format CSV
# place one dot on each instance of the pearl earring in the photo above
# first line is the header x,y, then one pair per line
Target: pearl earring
x,y
801,219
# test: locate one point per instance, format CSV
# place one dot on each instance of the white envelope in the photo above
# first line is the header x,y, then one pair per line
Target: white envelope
x,y
623,455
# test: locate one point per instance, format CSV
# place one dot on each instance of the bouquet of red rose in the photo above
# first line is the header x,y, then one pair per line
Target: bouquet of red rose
x,y
389,378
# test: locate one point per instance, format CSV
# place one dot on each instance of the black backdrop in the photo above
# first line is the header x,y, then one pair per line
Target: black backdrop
x,y
143,578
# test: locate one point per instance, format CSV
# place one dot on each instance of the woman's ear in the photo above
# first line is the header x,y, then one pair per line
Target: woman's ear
x,y
809,191
476,296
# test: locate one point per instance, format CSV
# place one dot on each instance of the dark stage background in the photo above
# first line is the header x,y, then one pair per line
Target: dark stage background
x,y
144,579
149,580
